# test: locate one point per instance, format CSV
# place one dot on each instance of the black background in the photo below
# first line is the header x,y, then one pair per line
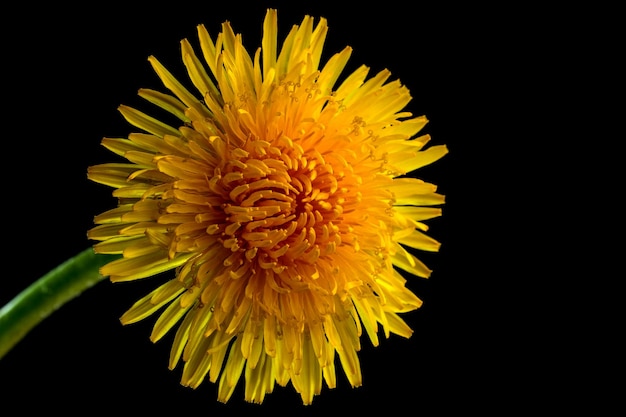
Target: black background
x,y
68,67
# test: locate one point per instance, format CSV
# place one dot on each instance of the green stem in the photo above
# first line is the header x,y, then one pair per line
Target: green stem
x,y
47,294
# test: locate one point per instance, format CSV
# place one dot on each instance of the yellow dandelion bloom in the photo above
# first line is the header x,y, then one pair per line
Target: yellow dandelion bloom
x,y
282,204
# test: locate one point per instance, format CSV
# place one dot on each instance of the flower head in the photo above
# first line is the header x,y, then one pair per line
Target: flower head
x,y
282,204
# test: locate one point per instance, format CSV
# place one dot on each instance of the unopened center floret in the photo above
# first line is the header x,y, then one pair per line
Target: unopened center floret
x,y
279,209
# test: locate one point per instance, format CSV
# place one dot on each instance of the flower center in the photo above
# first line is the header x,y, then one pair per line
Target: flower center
x,y
281,205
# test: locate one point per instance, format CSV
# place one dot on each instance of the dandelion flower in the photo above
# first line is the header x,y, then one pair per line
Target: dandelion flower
x,y
281,205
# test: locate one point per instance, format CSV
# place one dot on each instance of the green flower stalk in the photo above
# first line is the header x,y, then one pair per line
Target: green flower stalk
x,y
47,294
